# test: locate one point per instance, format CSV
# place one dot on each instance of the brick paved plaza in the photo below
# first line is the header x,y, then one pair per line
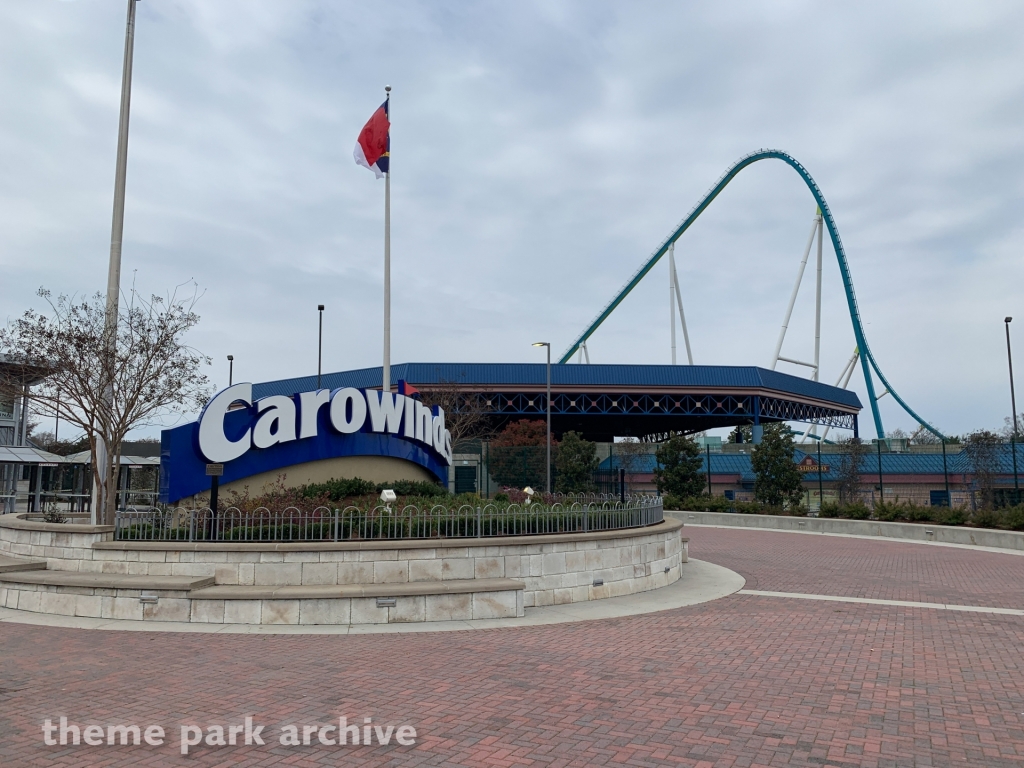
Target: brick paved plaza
x,y
741,681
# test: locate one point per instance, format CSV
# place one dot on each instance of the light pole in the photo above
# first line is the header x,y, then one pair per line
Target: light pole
x,y
102,459
548,404
231,370
1013,405
320,345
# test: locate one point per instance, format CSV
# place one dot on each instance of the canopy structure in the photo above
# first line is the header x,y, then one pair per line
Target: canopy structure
x,y
12,454
605,401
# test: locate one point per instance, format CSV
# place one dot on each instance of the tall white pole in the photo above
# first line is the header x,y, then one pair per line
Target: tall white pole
x,y
386,382
817,305
99,494
682,317
672,297
792,298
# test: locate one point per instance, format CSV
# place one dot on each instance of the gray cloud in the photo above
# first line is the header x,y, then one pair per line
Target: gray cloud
x,y
540,152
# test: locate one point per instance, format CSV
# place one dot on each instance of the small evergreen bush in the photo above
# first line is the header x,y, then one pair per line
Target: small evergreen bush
x,y
829,509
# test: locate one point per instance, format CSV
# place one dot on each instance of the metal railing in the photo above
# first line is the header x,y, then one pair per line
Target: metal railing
x,y
352,523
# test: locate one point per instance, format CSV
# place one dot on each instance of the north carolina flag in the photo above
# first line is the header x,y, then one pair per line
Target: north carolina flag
x,y
374,143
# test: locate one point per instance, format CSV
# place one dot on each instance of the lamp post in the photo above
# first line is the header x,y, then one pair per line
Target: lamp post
x,y
231,370
1013,405
102,453
320,345
548,403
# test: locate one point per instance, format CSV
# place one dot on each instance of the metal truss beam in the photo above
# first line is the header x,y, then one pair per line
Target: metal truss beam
x,y
739,407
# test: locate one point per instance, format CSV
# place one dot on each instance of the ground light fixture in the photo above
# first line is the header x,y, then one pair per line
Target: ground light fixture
x,y
388,496
548,403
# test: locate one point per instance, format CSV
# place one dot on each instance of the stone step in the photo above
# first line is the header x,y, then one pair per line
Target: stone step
x,y
331,591
457,599
86,580
10,564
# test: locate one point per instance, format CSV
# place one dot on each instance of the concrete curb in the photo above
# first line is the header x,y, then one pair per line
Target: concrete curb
x,y
931,534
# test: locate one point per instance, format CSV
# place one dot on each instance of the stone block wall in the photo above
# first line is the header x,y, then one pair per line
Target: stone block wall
x,y
555,569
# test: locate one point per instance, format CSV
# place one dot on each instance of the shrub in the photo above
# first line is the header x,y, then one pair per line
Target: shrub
x,y
338,489
51,514
889,512
1015,518
918,514
350,488
413,488
501,498
946,516
829,509
857,511
703,503
986,518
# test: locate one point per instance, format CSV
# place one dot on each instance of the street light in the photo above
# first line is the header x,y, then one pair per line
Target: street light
x,y
1013,405
231,370
320,345
548,345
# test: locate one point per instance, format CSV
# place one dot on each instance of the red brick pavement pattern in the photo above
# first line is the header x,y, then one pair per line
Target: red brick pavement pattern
x,y
742,681
877,569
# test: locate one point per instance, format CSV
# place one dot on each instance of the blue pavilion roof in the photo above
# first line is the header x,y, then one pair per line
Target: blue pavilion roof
x,y
571,375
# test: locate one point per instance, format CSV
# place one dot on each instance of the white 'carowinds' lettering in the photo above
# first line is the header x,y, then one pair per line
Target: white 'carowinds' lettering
x,y
281,419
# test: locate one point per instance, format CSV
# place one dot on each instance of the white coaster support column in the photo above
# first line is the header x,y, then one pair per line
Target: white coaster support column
x,y
844,379
672,299
817,303
674,277
792,298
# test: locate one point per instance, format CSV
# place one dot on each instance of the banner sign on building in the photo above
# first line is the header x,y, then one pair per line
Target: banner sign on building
x,y
280,431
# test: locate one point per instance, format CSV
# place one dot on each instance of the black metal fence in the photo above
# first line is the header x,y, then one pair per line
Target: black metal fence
x,y
570,514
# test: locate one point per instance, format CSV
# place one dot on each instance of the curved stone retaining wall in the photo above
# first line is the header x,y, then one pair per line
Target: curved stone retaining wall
x,y
553,569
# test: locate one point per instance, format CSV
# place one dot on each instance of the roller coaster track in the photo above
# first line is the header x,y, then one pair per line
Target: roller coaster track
x,y
867,359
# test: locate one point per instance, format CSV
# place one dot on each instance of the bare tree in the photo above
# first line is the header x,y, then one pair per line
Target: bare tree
x,y
848,469
105,389
466,414
631,453
1008,428
983,448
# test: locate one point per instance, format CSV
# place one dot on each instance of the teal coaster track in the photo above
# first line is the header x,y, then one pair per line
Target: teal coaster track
x,y
867,359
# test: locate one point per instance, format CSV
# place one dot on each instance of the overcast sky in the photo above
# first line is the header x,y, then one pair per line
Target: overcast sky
x,y
540,152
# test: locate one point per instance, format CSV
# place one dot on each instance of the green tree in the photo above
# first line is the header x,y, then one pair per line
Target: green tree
x,y
777,480
678,468
576,463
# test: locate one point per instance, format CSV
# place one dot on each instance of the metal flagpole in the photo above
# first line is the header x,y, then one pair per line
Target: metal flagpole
x,y
386,378
114,268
